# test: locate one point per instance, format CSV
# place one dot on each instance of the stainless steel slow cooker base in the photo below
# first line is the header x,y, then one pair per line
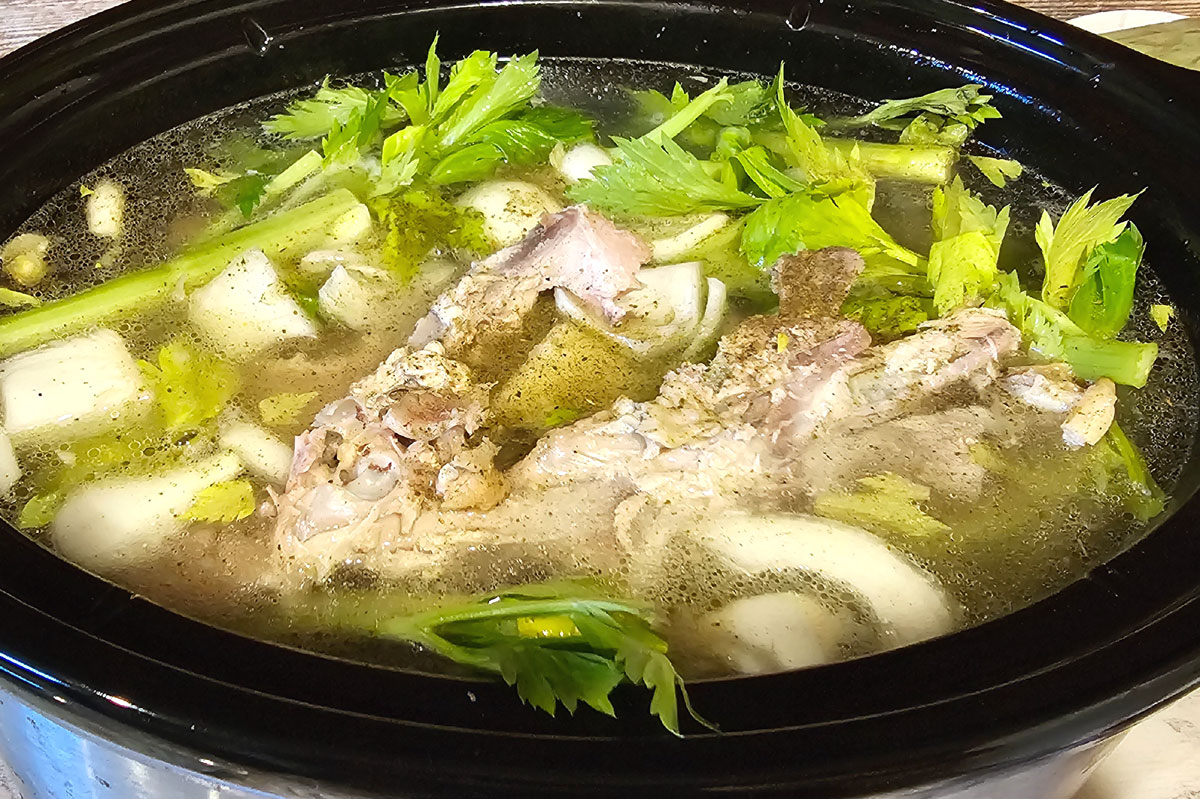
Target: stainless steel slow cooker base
x,y
55,759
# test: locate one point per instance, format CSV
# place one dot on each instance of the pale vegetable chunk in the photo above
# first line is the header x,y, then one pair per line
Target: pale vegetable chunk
x,y
125,520
74,387
351,226
356,295
10,469
365,298
683,242
25,258
264,454
1092,415
906,600
578,162
716,309
510,208
773,632
246,308
106,209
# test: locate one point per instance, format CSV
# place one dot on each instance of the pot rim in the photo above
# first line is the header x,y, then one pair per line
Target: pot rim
x,y
1073,667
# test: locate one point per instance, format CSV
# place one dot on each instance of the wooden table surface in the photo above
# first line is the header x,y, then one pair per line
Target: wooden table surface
x,y
21,21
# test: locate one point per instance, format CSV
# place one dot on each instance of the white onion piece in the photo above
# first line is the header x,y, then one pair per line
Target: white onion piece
x,y
578,162
510,208
773,632
671,248
906,599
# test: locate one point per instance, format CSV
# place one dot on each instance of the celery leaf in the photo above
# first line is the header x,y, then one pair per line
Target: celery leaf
x,y
965,105
285,408
315,117
223,503
1066,244
1104,299
191,386
962,260
657,178
884,502
807,221
997,170
558,644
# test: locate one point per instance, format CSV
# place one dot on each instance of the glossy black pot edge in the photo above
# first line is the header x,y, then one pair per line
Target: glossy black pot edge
x,y
986,704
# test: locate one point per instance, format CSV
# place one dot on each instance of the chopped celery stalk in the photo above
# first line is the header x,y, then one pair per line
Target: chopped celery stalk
x,y
286,232
919,163
301,168
932,164
1125,362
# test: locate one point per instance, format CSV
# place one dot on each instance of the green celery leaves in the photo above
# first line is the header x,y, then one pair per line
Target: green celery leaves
x,y
1104,299
962,260
806,221
658,178
557,643
1066,244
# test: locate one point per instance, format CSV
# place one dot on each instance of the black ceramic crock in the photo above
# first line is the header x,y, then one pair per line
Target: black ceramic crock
x,y
1068,671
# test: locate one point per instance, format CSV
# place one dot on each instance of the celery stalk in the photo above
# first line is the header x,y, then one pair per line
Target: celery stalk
x,y
285,233
917,163
933,164
1125,362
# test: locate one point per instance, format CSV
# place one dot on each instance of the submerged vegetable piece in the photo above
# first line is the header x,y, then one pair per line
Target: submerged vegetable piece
x,y
295,230
1161,314
191,386
886,502
419,221
71,388
1124,475
247,309
285,408
222,503
125,520
17,299
889,317
24,259
127,453
574,371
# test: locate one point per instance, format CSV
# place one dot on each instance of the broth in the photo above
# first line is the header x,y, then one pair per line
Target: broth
x,y
1036,524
